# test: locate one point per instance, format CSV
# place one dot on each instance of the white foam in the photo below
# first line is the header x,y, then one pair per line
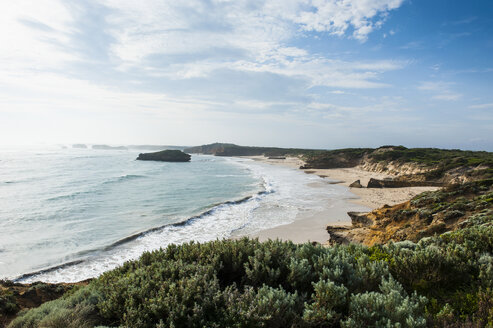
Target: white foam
x,y
286,194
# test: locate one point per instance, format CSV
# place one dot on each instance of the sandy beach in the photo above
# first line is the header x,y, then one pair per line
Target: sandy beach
x,y
312,228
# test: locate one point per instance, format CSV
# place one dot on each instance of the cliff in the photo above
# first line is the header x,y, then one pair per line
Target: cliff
x,y
455,207
165,156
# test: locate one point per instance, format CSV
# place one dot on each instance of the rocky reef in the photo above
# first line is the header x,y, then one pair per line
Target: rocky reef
x,y
165,156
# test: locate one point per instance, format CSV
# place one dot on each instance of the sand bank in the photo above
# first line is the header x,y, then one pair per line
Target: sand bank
x,y
312,228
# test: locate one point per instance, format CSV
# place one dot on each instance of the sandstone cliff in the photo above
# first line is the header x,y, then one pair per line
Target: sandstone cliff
x,y
434,212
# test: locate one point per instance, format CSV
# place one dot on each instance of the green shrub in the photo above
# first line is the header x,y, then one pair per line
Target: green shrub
x,y
329,304
265,307
245,283
391,307
8,303
74,310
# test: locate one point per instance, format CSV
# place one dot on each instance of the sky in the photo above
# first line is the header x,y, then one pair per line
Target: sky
x,y
288,73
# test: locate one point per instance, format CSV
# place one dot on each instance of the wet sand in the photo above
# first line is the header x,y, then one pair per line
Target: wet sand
x,y
312,228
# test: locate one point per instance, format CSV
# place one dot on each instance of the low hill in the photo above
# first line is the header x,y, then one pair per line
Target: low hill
x,y
227,149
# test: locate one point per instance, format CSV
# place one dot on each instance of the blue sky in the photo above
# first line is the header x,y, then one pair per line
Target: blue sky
x,y
289,73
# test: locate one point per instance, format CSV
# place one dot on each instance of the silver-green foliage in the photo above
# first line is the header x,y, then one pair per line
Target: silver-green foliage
x,y
391,307
245,283
329,300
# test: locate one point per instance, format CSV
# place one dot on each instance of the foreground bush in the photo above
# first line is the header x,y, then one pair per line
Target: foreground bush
x,y
444,281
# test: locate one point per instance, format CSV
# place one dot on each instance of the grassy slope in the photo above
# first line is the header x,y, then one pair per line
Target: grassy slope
x,y
16,297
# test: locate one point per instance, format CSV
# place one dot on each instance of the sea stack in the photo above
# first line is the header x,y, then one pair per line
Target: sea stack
x,y
165,156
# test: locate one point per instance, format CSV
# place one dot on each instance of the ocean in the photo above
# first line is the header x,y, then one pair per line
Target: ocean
x,y
70,214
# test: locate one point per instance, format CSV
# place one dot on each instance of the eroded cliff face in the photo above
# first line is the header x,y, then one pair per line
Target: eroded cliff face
x,y
394,168
434,212
417,166
419,174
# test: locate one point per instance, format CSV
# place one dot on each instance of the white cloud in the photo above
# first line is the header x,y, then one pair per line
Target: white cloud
x,y
482,106
166,27
440,90
336,17
32,34
258,32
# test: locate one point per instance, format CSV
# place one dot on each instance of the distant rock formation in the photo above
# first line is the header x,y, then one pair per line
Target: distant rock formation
x,y
82,146
356,184
106,147
165,156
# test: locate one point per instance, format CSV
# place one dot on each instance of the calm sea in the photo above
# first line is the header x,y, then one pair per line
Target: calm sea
x,y
70,214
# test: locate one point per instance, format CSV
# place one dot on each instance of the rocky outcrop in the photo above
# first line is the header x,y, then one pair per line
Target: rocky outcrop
x,y
429,213
80,146
356,184
394,167
165,156
360,219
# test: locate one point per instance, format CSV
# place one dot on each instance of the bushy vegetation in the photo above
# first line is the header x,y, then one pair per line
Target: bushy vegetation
x,y
76,309
435,156
442,281
14,297
471,202
8,304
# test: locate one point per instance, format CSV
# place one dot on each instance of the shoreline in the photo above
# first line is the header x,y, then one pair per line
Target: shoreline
x,y
310,226
313,228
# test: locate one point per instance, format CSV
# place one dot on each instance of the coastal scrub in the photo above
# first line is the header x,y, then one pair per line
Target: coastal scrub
x,y
440,281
